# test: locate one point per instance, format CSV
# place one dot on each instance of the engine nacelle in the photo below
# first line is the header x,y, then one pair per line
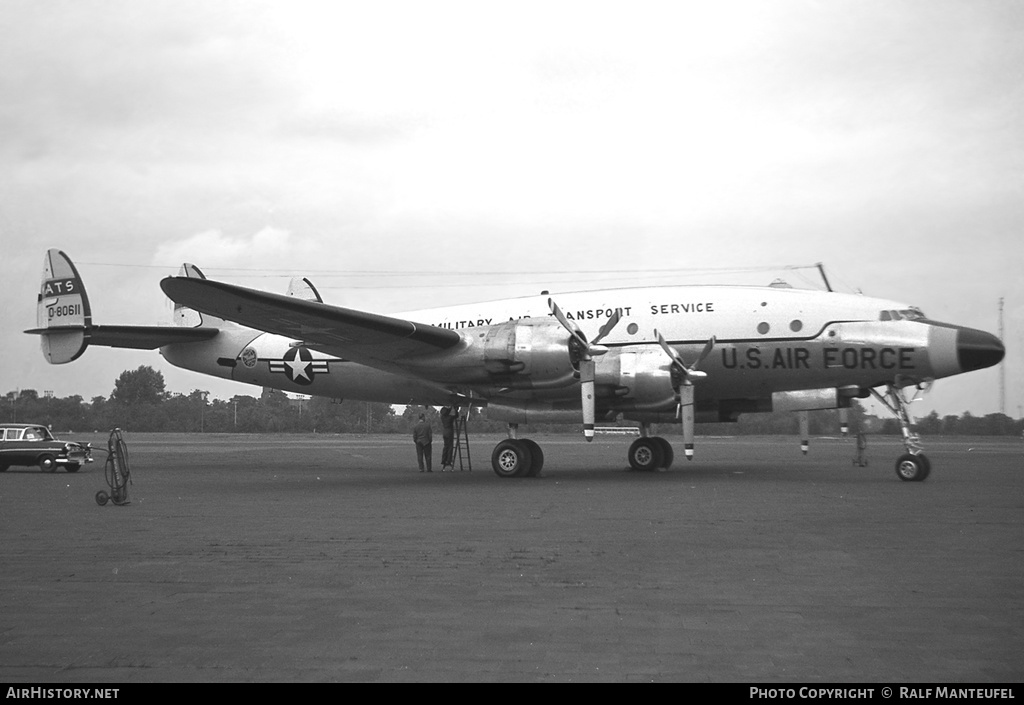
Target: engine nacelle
x,y
526,354
636,378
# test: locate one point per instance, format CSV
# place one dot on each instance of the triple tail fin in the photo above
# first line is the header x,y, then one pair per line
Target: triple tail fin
x,y
63,314
302,288
188,317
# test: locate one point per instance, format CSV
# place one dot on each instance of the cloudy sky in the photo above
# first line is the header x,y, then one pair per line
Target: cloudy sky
x,y
411,154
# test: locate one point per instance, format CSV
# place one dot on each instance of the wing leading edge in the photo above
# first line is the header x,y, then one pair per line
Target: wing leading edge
x,y
356,335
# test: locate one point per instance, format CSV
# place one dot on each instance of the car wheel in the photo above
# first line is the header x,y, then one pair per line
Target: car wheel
x,y
47,463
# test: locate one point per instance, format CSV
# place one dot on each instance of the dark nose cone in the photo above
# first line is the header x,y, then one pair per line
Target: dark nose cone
x,y
977,349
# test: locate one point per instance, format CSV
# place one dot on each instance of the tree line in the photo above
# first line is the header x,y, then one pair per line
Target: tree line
x,y
139,401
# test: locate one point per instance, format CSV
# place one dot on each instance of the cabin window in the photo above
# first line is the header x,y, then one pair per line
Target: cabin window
x,y
763,328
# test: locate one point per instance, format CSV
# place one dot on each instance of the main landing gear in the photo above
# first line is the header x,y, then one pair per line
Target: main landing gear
x,y
913,465
649,453
523,457
517,457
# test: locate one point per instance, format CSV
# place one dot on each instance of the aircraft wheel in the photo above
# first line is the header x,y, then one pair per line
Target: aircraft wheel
x,y
47,463
511,458
667,454
913,468
536,457
646,454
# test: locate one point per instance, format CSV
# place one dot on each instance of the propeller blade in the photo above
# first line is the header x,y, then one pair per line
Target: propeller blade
x,y
612,321
669,350
804,434
570,326
587,371
705,352
686,411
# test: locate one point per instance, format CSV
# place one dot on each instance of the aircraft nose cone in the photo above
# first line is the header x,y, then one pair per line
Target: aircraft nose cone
x,y
977,349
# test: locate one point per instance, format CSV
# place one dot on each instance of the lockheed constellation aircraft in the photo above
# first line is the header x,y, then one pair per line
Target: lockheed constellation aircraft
x,y
668,354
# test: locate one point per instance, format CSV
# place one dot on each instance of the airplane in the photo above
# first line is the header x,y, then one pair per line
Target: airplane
x,y
660,354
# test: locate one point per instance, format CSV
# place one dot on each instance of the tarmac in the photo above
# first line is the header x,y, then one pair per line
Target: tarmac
x,y
332,559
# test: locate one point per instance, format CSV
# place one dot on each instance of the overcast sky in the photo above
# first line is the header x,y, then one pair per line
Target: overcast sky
x,y
412,154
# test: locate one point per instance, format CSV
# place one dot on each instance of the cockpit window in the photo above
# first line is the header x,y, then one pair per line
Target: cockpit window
x,y
904,314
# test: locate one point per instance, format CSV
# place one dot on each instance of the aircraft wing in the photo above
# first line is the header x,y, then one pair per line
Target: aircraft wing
x,y
137,337
355,335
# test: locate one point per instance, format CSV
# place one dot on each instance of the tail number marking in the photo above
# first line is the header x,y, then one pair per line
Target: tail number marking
x,y
64,311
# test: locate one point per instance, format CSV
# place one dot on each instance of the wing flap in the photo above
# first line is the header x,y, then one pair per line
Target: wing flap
x,y
357,335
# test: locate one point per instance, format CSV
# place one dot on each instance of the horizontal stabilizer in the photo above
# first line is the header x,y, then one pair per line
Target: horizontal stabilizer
x,y
136,337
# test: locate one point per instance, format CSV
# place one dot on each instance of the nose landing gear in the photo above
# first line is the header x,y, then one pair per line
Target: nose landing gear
x,y
912,466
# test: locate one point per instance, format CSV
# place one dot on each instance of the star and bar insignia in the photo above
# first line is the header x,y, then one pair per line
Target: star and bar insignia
x,y
299,366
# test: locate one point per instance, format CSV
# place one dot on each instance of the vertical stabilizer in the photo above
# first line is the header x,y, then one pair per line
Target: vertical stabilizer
x,y
62,310
188,317
303,289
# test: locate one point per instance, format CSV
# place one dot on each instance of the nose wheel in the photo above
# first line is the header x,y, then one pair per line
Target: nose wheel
x,y
913,468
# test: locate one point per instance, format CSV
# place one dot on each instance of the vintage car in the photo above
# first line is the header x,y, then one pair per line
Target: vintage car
x,y
33,444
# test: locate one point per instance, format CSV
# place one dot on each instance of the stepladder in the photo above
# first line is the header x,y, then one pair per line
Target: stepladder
x,y
462,443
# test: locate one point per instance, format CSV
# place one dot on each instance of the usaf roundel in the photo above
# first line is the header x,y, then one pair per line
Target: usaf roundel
x,y
299,366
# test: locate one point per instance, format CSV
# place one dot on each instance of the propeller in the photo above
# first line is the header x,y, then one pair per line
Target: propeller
x,y
683,377
583,353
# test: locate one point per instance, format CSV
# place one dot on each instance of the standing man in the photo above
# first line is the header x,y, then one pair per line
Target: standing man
x,y
422,436
448,434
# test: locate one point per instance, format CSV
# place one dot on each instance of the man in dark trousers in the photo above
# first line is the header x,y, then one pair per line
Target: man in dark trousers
x,y
448,434
422,436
